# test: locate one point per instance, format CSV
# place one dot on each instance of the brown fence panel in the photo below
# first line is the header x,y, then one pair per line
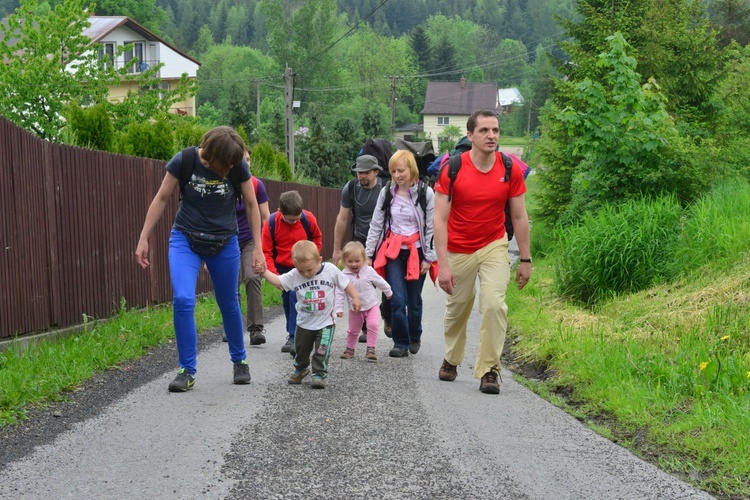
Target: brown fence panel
x,y
70,223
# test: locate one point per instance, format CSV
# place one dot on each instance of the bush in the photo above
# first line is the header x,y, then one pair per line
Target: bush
x,y
187,132
619,249
92,127
149,140
268,163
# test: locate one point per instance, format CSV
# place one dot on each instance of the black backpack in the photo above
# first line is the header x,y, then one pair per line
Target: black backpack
x,y
189,155
423,152
454,165
382,151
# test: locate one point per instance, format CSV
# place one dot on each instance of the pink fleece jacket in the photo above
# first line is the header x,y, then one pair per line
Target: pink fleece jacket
x,y
365,282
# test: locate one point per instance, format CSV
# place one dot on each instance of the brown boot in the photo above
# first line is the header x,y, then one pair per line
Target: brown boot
x,y
489,383
447,372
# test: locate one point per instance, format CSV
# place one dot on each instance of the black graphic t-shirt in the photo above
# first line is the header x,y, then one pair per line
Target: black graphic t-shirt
x,y
207,203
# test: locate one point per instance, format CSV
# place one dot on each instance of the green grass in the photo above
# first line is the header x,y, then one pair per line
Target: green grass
x,y
47,370
664,371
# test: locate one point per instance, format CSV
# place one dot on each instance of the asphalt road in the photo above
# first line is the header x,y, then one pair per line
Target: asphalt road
x,y
385,430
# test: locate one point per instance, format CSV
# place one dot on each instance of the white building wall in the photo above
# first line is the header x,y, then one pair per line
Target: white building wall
x,y
432,129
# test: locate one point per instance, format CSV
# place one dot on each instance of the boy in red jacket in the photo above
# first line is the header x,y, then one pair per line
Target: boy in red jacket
x,y
288,225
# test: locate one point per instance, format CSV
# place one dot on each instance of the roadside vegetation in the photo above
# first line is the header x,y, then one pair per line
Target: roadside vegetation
x,y
48,370
637,321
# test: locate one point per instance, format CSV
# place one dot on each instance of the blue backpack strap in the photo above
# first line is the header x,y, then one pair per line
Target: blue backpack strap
x,y
305,225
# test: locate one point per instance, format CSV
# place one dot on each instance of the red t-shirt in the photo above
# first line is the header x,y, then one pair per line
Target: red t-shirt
x,y
477,216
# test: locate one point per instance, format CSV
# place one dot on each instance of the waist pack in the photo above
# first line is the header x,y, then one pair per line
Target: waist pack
x,y
206,244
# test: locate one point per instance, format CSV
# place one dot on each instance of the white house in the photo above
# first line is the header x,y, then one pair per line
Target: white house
x,y
451,103
117,31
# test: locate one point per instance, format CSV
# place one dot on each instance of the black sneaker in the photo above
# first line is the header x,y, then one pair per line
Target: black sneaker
x,y
489,383
398,352
241,372
224,338
182,382
414,347
257,337
289,345
363,337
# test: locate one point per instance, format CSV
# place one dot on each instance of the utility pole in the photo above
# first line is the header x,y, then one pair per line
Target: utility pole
x,y
257,105
288,104
393,107
528,123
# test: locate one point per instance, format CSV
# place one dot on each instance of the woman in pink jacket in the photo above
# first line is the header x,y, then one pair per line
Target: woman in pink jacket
x,y
365,280
400,245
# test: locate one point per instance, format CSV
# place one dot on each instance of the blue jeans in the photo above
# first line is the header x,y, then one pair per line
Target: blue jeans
x,y
406,302
289,301
223,268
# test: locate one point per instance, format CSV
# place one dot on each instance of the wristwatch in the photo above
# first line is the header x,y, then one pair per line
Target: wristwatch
x,y
525,260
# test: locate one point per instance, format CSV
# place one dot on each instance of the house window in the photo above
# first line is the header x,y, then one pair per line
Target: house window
x,y
443,120
135,50
107,54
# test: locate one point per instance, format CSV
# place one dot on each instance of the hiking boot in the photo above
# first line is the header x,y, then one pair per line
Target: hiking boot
x,y
363,337
298,376
387,329
241,372
257,337
489,383
318,382
182,382
448,372
414,347
289,345
398,352
347,354
370,355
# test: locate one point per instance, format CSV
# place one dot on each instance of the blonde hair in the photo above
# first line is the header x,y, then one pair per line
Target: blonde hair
x,y
305,251
408,159
354,248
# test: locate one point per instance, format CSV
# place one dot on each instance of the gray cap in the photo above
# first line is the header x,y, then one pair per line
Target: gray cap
x,y
365,163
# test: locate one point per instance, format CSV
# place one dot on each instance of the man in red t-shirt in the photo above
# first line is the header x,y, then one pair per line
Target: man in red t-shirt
x,y
470,241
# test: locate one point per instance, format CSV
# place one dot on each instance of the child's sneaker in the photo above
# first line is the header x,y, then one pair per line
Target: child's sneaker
x,y
182,382
370,355
318,382
298,375
347,354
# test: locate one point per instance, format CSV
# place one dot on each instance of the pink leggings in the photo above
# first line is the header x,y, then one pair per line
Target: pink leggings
x,y
371,317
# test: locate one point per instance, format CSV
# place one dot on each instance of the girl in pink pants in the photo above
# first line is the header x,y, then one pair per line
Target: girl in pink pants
x,y
365,281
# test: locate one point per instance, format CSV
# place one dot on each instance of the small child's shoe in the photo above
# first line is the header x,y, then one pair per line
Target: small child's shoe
x,y
347,354
370,355
318,382
296,377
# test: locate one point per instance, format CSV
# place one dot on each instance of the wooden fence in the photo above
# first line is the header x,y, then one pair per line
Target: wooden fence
x,y
69,224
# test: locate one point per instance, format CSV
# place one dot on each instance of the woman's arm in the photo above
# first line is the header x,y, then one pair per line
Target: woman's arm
x,y
155,211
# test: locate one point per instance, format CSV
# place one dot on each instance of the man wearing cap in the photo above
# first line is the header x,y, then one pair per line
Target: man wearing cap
x,y
358,200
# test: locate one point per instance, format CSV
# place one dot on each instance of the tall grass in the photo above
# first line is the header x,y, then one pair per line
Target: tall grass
x,y
717,227
664,371
619,249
